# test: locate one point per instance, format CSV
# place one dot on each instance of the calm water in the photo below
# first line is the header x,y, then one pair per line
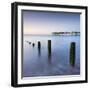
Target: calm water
x,y
37,63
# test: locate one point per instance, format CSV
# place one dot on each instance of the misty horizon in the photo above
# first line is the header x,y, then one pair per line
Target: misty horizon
x,y
38,22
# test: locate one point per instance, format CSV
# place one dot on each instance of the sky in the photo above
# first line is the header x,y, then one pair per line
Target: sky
x,y
43,22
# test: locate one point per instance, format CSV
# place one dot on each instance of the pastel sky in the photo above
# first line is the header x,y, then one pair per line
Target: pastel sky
x,y
43,22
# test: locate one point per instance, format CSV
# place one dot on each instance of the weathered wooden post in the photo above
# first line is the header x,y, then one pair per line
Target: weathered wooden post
x,y
49,50
39,45
72,53
39,48
49,47
33,44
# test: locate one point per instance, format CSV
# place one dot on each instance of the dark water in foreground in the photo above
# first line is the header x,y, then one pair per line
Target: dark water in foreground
x,y
37,63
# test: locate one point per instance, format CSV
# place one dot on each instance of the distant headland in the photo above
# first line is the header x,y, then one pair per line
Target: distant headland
x,y
55,33
65,33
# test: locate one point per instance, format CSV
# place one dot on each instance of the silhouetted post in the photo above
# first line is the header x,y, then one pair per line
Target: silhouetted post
x,y
49,50
72,53
39,48
29,42
39,45
49,47
33,44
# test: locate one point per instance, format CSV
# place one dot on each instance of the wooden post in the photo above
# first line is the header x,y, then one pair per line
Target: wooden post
x,y
49,51
33,44
39,48
49,47
39,45
72,53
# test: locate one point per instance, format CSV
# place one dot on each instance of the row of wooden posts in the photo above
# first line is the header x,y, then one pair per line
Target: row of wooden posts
x,y
72,51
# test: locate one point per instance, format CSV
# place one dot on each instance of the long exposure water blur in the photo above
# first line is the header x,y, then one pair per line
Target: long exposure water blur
x,y
37,62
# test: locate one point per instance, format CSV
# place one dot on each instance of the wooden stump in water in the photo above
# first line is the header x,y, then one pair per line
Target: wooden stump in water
x,y
39,48
39,45
49,51
33,44
72,53
49,47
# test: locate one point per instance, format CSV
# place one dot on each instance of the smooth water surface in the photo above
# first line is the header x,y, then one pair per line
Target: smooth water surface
x,y
38,63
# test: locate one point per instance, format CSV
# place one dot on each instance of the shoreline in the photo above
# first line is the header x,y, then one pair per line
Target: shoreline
x,y
48,35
